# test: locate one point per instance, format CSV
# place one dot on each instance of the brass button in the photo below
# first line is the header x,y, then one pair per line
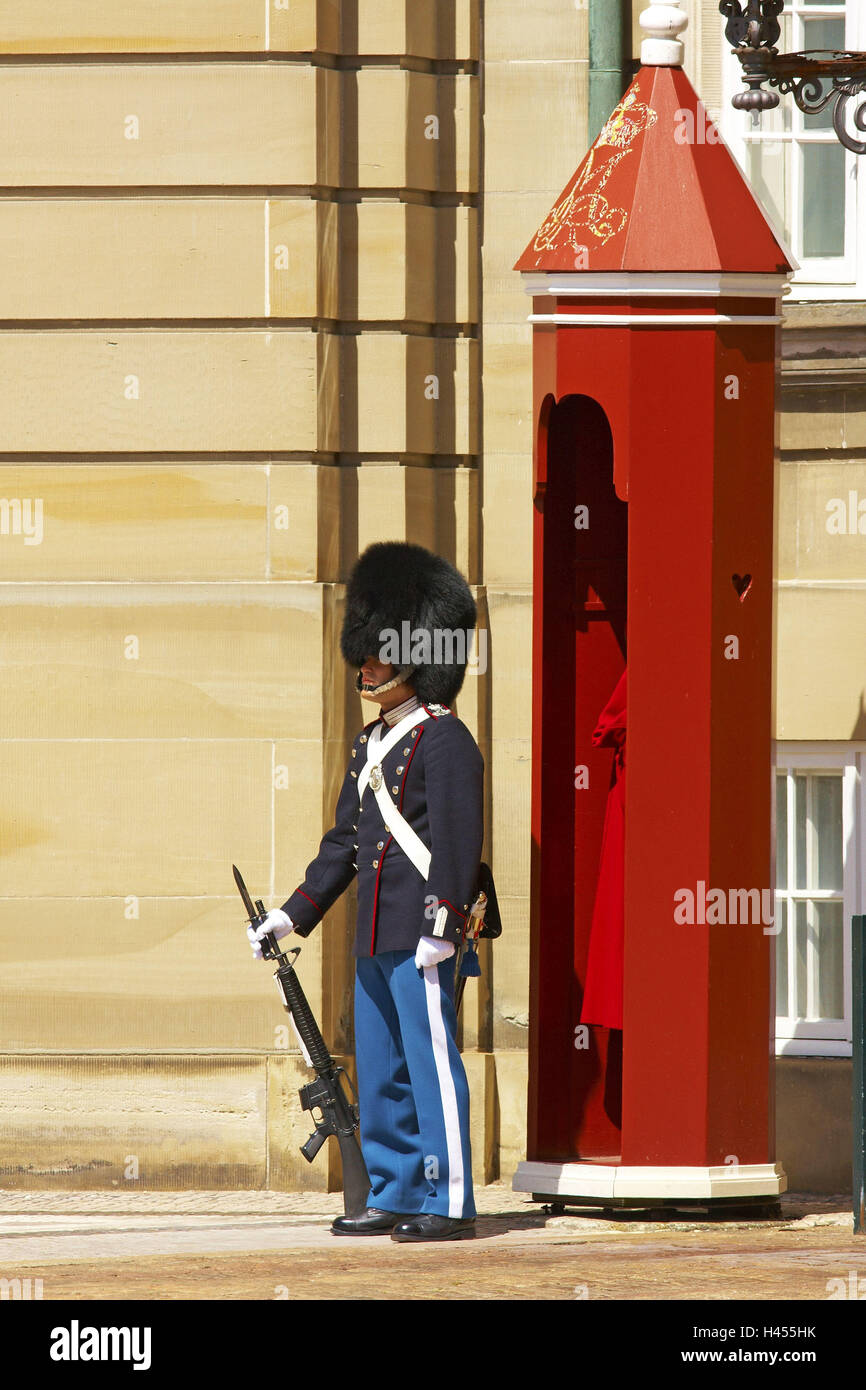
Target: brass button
x,y
354,752
354,774
387,830
395,790
406,752
414,733
375,863
380,845
354,847
399,769
363,738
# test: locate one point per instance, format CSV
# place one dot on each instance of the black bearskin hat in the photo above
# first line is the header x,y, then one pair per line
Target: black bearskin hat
x,y
402,589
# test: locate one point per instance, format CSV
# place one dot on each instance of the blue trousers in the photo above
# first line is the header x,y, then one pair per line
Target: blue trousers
x,y
412,1088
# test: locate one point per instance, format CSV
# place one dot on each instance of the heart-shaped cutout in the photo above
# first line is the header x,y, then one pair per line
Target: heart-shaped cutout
x,y
742,583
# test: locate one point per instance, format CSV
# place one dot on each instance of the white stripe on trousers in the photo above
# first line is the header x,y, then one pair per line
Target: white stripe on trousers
x,y
447,1093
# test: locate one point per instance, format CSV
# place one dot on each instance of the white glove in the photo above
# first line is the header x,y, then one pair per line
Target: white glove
x,y
276,924
431,950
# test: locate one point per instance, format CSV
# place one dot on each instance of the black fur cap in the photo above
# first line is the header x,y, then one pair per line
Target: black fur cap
x,y
396,582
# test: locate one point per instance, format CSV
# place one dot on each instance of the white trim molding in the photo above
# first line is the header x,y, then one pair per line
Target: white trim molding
x,y
664,284
591,1180
655,320
811,1047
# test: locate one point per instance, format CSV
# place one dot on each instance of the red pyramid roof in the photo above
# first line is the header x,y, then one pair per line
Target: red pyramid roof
x,y
657,191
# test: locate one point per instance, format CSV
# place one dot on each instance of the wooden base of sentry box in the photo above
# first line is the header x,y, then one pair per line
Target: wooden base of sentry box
x,y
610,1184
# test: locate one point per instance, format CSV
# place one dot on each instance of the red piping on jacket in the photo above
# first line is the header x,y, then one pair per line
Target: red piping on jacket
x,y
376,901
453,908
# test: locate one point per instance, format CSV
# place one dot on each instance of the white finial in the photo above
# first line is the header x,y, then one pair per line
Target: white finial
x,y
663,22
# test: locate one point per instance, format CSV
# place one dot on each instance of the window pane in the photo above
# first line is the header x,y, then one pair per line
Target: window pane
x,y
823,199
823,33
781,832
782,959
827,810
800,832
831,1003
800,938
767,169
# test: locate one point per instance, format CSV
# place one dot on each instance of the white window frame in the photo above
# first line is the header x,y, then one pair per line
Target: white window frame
x,y
818,278
830,1037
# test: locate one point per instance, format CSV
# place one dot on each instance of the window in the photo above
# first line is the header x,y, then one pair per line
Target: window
x,y
819,826
806,180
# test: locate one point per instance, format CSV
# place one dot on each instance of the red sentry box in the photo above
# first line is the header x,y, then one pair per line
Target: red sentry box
x,y
656,284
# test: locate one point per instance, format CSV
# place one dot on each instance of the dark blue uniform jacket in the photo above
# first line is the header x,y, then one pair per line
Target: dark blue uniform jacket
x,y
434,775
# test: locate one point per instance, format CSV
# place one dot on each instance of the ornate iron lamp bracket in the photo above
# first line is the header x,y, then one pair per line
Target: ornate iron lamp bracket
x,y
814,79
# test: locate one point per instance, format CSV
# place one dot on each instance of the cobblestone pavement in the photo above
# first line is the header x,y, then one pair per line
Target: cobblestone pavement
x,y
245,1245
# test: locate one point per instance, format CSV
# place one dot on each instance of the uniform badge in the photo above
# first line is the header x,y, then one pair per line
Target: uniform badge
x,y
376,777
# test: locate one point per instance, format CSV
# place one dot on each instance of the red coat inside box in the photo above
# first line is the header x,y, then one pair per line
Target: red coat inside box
x,y
602,996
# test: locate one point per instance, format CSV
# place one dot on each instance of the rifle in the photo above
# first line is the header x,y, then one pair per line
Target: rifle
x,y
338,1114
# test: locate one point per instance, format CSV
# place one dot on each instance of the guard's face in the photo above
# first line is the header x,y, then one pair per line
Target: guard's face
x,y
373,674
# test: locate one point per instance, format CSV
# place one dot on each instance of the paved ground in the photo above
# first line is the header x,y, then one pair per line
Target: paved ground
x,y
265,1245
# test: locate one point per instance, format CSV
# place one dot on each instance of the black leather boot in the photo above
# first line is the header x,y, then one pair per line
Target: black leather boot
x,y
429,1226
371,1222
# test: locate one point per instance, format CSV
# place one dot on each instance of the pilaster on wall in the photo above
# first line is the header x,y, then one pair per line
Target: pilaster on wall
x,y
535,101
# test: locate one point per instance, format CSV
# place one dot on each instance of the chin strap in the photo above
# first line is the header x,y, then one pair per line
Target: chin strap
x,y
375,691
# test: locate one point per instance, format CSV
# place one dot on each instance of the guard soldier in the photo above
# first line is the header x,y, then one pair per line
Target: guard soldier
x,y
409,823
